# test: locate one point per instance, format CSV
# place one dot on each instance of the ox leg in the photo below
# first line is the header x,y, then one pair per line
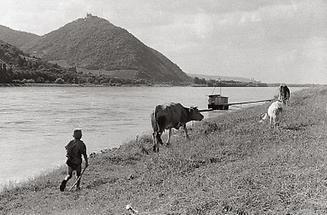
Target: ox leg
x,y
156,140
185,129
159,137
154,137
274,121
155,147
169,135
279,118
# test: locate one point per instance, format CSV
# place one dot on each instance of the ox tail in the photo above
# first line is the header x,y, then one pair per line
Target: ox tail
x,y
155,113
160,119
156,120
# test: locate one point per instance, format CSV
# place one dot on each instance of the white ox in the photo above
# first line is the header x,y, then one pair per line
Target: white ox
x,y
274,113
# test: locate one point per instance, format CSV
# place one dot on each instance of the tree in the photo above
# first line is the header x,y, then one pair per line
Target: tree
x,y
196,80
5,74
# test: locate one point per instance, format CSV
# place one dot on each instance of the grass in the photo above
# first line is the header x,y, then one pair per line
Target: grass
x,y
231,165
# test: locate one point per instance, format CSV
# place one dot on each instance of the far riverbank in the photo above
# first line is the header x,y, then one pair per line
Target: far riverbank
x,y
147,85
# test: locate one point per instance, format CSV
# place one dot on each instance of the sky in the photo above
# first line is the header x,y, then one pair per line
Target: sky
x,y
281,41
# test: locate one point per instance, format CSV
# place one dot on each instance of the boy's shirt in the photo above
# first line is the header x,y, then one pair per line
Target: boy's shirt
x,y
75,149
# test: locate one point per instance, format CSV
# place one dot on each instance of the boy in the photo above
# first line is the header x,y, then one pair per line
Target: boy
x,y
75,149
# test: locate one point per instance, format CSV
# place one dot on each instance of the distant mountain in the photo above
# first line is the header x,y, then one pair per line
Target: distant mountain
x,y
16,38
223,78
96,45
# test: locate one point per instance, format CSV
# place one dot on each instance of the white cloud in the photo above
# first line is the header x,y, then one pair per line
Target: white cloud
x,y
203,25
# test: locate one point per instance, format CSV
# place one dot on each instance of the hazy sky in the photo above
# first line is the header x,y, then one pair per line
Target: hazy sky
x,y
268,40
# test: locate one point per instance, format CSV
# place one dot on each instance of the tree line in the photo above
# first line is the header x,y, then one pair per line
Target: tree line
x,y
37,71
225,83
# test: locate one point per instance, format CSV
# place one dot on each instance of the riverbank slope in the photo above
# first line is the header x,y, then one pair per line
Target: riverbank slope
x,y
231,164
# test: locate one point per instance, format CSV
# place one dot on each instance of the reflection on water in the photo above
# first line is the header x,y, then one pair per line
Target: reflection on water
x,y
36,123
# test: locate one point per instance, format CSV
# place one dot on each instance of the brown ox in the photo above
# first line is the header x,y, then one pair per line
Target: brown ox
x,y
173,115
284,94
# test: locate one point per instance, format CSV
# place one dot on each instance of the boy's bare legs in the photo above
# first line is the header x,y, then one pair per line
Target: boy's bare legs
x,y
69,176
78,174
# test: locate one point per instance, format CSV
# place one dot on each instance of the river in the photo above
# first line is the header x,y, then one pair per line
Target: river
x,y
37,122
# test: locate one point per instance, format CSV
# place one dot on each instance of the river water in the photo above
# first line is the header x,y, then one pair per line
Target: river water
x,y
37,122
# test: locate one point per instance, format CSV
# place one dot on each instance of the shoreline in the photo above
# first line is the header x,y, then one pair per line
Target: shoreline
x,y
137,85
20,181
230,160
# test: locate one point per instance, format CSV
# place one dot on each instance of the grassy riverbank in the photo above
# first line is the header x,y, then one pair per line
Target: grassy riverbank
x,y
232,162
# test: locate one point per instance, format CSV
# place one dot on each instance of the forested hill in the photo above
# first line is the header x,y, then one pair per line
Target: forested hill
x,y
95,45
18,67
9,54
16,38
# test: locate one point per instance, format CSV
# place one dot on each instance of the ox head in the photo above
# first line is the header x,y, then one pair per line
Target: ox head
x,y
195,114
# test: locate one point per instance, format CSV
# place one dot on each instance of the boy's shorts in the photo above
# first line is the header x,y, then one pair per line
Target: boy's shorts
x,y
73,166
77,168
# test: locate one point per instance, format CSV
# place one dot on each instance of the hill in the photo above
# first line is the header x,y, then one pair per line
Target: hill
x,y
18,67
9,53
16,38
231,165
94,44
